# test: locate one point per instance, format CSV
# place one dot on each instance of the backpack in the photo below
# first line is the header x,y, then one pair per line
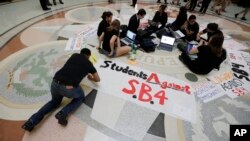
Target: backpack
x,y
123,31
147,45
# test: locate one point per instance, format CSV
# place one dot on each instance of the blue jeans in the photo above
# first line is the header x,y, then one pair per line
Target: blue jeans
x,y
58,92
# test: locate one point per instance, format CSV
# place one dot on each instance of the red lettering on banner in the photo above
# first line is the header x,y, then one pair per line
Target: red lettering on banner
x,y
161,96
187,90
239,91
155,77
144,94
164,85
132,90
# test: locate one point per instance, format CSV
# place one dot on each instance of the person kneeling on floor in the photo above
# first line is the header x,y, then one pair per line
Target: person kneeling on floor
x,y
66,84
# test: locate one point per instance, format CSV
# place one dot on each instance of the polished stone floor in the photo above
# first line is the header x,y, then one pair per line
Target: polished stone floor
x,y
32,44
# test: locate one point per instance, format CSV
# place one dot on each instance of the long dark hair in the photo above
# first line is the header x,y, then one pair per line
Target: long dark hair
x,y
216,43
182,12
115,25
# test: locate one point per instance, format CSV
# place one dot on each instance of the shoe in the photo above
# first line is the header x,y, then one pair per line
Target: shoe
x,y
61,2
158,2
49,4
46,9
28,126
54,2
61,117
236,15
217,12
243,18
132,5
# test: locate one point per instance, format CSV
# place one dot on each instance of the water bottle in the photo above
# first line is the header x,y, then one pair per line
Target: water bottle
x,y
133,52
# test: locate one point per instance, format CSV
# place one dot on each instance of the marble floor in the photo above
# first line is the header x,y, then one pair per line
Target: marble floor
x,y
32,44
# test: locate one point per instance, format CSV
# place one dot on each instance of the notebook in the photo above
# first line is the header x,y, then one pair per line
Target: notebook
x,y
166,43
129,39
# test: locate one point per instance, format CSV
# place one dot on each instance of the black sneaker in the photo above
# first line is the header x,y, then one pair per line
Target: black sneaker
x,y
46,9
236,15
243,18
61,117
61,2
28,126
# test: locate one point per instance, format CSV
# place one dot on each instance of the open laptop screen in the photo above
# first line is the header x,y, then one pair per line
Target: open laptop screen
x,y
131,35
167,40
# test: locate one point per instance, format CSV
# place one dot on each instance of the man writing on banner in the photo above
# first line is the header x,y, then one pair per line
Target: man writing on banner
x,y
66,84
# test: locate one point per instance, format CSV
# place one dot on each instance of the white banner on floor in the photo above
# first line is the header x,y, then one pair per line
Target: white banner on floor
x,y
75,43
149,89
233,80
90,30
240,62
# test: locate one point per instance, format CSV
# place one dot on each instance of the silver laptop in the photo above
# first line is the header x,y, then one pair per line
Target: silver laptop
x,y
129,39
166,43
177,34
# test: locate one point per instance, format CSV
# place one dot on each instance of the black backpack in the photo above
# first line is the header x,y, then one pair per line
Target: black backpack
x,y
123,31
147,45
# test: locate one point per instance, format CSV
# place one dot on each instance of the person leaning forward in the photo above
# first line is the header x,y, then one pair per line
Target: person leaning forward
x,y
66,84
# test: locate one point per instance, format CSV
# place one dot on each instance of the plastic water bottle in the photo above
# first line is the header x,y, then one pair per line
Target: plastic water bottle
x,y
133,52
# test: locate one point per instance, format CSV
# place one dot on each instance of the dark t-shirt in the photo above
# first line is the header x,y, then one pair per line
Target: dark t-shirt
x,y
102,27
161,18
210,34
107,37
195,28
206,60
74,70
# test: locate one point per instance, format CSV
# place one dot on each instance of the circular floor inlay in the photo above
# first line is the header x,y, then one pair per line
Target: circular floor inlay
x,y
191,77
88,14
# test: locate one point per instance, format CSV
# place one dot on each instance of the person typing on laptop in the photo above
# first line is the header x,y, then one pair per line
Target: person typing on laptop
x,y
110,41
209,56
211,30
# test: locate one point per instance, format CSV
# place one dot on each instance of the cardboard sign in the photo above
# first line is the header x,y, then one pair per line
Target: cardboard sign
x,y
75,43
208,91
148,89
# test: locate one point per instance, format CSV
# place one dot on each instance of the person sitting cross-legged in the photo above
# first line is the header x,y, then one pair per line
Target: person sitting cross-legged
x,y
208,57
190,28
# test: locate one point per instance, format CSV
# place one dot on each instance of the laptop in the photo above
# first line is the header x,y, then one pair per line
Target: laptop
x,y
129,39
166,43
177,34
